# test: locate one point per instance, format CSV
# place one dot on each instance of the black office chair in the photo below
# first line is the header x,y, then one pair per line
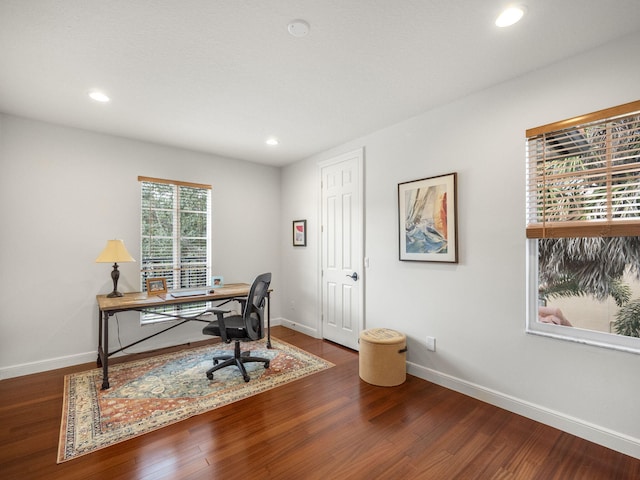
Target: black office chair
x,y
246,327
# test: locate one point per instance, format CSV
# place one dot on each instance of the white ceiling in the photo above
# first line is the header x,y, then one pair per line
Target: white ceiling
x,y
221,76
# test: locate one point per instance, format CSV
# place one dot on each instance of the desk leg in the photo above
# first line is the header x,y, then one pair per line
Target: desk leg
x,y
104,351
268,320
99,360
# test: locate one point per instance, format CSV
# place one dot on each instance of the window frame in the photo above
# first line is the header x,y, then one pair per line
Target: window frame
x,y
573,334
585,228
163,314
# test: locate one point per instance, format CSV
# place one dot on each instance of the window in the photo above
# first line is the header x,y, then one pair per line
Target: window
x,y
583,226
175,229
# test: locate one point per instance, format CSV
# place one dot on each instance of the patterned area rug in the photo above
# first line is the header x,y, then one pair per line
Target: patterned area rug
x,y
149,394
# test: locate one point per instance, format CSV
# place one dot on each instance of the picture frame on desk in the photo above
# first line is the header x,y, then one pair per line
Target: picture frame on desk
x,y
156,286
217,281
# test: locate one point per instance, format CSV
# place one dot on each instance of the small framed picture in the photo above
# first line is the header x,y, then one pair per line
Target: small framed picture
x,y
299,233
217,281
156,286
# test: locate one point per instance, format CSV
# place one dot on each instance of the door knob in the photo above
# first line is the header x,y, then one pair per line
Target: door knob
x,y
353,276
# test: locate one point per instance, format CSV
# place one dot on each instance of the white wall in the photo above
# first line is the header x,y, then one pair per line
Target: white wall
x,y
64,192
301,188
476,309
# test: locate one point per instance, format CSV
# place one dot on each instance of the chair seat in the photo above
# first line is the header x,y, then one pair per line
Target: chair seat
x,y
234,327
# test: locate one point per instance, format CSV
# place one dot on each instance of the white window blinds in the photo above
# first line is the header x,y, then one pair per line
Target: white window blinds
x,y
174,233
583,175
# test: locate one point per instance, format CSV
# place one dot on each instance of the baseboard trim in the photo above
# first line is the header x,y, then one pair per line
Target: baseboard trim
x,y
276,321
312,332
76,359
46,365
575,426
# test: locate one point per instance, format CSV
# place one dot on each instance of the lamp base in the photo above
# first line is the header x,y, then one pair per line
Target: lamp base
x,y
115,275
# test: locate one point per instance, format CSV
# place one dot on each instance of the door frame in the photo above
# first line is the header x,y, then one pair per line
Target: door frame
x,y
359,153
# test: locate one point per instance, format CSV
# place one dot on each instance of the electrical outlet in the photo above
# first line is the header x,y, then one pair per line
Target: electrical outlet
x,y
431,344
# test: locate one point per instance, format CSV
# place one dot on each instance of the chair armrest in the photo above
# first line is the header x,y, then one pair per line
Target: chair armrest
x,y
219,312
243,301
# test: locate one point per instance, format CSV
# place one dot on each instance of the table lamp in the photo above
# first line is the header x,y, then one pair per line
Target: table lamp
x,y
115,252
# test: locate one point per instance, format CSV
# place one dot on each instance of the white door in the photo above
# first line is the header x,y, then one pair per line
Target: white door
x,y
342,249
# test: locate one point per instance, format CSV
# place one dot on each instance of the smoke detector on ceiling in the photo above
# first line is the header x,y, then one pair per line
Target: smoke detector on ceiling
x,y
298,28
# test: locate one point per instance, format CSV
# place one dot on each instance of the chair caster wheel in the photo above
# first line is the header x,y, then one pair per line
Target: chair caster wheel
x,y
266,365
215,362
210,376
247,378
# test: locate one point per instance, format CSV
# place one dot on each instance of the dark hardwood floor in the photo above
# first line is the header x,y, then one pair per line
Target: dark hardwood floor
x,y
330,425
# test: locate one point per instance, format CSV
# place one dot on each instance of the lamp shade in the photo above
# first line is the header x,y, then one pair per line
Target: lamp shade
x,y
114,252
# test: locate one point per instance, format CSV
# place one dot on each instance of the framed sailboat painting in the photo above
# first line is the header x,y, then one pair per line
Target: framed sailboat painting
x,y
427,219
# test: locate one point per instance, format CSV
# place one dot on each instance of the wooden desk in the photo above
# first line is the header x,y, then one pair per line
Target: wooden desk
x,y
142,302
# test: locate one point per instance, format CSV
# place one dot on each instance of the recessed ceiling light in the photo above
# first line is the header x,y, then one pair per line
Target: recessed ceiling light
x,y
272,141
298,28
510,16
99,96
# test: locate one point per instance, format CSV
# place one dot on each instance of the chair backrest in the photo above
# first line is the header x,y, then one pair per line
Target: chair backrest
x,y
253,314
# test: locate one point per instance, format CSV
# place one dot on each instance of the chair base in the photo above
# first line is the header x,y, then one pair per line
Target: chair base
x,y
238,359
